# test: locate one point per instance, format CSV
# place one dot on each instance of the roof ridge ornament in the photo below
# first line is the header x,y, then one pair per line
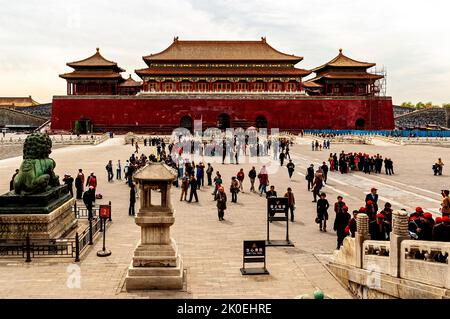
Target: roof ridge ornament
x,y
340,51
263,39
98,49
175,39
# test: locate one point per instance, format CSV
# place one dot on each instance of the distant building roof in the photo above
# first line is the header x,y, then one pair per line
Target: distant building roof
x,y
17,101
130,82
311,84
344,61
221,51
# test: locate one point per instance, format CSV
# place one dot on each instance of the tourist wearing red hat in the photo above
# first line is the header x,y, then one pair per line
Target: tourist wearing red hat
x,y
441,231
426,227
373,196
370,210
340,223
379,229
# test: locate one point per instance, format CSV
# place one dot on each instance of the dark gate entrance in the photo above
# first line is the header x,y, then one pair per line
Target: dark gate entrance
x,y
223,121
186,122
83,126
261,122
359,124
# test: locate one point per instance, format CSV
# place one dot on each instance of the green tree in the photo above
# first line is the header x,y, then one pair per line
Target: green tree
x,y
408,104
420,105
446,105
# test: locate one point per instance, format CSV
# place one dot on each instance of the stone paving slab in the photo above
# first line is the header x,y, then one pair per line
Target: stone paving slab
x,y
212,250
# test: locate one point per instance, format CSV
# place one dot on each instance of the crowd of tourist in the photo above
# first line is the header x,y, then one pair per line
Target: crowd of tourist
x,y
421,225
363,162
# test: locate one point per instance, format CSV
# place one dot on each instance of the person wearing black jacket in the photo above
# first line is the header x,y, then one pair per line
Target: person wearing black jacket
x,y
271,193
322,212
310,176
340,223
87,199
373,196
68,180
79,186
193,184
131,211
379,229
324,168
291,167
252,176
209,172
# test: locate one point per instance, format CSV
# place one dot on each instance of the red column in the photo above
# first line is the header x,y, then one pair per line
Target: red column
x,y
177,86
300,86
283,86
233,86
210,86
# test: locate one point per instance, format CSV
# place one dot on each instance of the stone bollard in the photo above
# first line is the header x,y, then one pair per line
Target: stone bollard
x,y
362,234
398,234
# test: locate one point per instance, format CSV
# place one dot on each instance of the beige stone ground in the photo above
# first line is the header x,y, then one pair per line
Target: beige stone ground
x,y
212,250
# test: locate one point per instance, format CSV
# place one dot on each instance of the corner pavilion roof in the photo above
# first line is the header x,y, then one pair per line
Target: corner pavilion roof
x,y
94,67
95,60
344,61
221,51
347,76
156,172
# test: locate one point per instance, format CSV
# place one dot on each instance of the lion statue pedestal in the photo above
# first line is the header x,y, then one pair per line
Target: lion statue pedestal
x,y
38,206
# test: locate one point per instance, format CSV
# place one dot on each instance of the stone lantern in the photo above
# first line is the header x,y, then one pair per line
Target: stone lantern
x,y
156,263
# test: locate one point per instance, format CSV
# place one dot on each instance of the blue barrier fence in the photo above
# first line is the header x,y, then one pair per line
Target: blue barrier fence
x,y
404,133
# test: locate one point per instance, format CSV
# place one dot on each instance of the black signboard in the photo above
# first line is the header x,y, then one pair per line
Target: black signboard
x,y
254,252
278,206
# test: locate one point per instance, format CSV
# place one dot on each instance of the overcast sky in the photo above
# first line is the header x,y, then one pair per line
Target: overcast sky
x,y
410,39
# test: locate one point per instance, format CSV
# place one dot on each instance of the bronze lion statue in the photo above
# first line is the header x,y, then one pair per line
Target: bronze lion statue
x,y
36,173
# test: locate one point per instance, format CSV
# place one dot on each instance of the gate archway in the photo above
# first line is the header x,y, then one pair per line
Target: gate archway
x,y
359,124
186,122
223,121
261,121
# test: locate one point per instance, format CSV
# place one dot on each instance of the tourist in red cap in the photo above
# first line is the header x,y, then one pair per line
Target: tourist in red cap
x,y
370,210
379,229
373,196
441,231
340,223
426,227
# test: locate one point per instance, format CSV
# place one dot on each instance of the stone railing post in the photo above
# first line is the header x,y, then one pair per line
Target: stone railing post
x,y
362,234
398,234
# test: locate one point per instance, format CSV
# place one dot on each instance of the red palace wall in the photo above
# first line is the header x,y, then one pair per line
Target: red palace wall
x,y
141,113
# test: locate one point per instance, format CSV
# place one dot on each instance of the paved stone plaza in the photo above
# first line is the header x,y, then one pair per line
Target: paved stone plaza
x,y
212,250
